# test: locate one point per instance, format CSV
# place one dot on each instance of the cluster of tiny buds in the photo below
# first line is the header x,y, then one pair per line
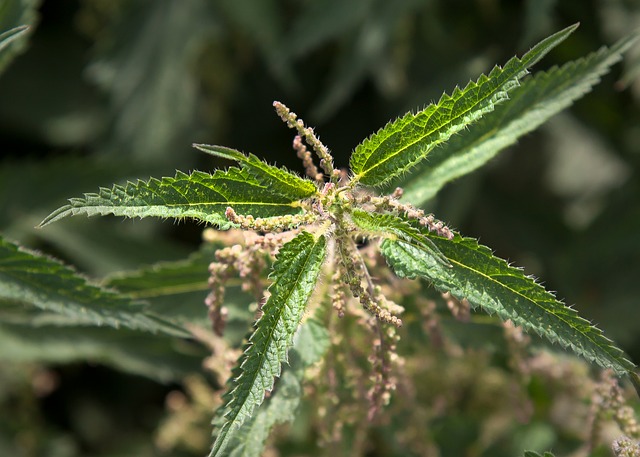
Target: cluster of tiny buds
x,y
625,447
245,260
217,313
352,277
436,226
268,224
291,119
338,295
392,203
460,309
370,303
307,161
382,358
609,399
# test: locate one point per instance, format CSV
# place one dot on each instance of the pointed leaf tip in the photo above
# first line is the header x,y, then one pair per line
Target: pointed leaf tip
x,y
404,143
278,180
533,103
199,195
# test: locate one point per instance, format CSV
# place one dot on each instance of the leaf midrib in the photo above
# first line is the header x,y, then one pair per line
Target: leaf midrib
x,y
263,355
431,132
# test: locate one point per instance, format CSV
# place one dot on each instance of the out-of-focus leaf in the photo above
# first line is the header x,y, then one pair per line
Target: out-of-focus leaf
x,y
15,16
174,289
262,21
535,454
155,356
323,20
538,20
145,63
364,49
34,281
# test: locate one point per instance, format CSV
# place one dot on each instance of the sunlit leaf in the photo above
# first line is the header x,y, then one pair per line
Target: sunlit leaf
x,y
277,180
201,196
310,344
530,105
295,273
405,142
491,284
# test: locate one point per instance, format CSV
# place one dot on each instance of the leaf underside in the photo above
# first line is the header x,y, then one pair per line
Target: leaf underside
x,y
31,282
405,142
492,284
198,195
295,273
279,180
530,105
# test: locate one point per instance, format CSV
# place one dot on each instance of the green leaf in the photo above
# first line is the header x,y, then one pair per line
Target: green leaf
x,y
393,227
310,344
177,291
158,357
16,16
405,142
492,284
535,454
279,180
199,195
7,37
173,289
145,60
28,280
295,273
530,105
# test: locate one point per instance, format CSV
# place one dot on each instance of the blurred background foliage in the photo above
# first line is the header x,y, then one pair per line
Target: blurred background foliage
x,y
102,91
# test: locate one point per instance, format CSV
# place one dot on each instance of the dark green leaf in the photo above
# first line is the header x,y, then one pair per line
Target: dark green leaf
x,y
295,274
201,196
530,105
492,284
278,180
156,356
310,344
28,280
405,142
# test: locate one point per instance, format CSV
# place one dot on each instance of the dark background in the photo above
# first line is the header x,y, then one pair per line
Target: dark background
x,y
107,91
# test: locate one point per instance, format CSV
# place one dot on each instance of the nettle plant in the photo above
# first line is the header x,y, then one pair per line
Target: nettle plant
x,y
324,236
